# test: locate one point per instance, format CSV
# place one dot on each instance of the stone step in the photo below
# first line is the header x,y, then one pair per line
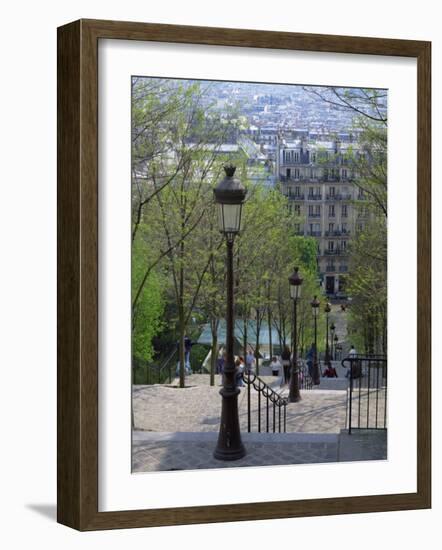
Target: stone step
x,y
139,437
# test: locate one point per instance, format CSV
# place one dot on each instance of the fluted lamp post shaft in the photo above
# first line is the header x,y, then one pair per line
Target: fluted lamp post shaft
x,y
295,294
327,310
315,310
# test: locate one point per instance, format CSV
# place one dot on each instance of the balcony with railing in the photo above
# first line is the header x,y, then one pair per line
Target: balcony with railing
x,y
339,197
315,197
335,252
295,197
336,233
330,268
314,233
314,214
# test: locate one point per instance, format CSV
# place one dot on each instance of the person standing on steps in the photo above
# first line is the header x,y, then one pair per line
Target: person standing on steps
x,y
275,365
187,349
354,369
250,361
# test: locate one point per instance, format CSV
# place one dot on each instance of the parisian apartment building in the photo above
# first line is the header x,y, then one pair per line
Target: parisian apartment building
x,y
318,180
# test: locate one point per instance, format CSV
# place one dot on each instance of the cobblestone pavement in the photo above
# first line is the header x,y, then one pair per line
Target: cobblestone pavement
x,y
193,451
197,408
165,452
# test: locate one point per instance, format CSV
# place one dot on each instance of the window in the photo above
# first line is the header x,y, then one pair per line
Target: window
x,y
332,191
313,157
310,210
288,173
297,209
297,227
344,173
331,227
344,227
331,245
344,211
343,245
296,173
297,191
331,210
317,210
310,191
296,156
317,191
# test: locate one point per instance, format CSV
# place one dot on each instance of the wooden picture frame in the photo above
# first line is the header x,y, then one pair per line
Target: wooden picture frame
x,y
77,461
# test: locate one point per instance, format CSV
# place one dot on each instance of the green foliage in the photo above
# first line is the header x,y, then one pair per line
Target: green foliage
x,y
147,320
197,355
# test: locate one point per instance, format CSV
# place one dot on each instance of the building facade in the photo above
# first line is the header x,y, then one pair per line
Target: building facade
x,y
318,180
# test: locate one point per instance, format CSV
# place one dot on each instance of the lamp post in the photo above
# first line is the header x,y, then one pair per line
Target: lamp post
x,y
229,195
295,293
327,310
315,310
332,333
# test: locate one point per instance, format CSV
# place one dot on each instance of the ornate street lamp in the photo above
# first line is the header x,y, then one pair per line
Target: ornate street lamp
x,y
315,311
295,293
229,195
332,333
327,310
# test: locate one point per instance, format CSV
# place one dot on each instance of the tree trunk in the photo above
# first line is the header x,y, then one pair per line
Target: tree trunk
x,y
214,352
269,322
181,317
245,336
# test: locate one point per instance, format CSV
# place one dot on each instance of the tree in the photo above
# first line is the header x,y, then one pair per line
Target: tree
x,y
147,318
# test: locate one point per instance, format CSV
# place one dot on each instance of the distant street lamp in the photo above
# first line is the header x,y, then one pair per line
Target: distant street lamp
x,y
332,333
327,310
315,310
295,293
229,195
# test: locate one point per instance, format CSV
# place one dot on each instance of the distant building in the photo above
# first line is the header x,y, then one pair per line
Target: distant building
x,y
318,180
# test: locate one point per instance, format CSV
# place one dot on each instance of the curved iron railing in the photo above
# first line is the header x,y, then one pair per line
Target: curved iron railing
x,y
275,405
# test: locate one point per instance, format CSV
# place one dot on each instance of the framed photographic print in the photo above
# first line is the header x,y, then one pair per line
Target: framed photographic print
x,y
243,275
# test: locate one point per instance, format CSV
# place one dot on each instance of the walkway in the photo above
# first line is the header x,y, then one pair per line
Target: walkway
x,y
177,428
193,451
197,408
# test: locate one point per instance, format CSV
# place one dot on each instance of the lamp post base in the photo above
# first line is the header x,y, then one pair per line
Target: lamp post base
x,y
229,446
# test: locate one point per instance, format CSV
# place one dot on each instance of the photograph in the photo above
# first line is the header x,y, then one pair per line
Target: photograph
x,y
258,274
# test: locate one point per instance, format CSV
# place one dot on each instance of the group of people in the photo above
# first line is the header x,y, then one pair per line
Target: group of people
x,y
280,366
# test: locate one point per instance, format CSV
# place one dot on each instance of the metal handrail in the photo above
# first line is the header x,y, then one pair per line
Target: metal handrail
x,y
362,367
273,400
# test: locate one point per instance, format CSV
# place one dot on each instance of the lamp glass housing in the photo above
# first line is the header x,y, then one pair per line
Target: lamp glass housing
x,y
295,292
229,218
